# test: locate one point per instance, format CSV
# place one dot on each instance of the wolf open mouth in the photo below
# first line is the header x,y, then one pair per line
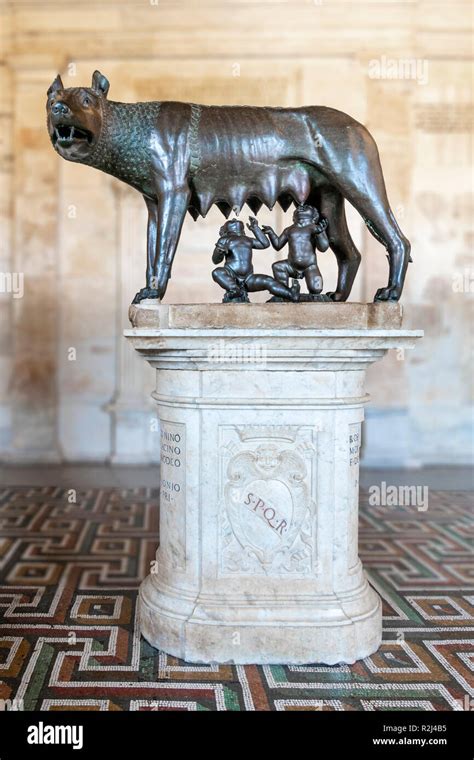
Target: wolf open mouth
x,y
66,134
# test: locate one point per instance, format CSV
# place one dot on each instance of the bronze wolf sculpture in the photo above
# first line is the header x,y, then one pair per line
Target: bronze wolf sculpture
x,y
186,157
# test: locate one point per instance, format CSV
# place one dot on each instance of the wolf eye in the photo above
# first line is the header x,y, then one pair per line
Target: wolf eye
x,y
86,101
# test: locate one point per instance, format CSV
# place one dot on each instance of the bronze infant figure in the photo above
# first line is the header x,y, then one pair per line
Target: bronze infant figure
x,y
304,236
237,276
186,157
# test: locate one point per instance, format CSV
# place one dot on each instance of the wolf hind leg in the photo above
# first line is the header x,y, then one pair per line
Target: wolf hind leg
x,y
340,241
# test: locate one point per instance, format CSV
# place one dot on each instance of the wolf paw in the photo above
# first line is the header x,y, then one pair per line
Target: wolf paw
x,y
236,296
387,294
146,293
335,295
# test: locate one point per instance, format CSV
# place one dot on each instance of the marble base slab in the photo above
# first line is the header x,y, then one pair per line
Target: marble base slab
x,y
266,315
260,431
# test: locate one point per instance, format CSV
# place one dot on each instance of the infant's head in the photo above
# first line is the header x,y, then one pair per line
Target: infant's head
x,y
305,215
232,227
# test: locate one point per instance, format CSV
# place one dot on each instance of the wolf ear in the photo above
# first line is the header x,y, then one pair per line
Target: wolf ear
x,y
56,86
100,83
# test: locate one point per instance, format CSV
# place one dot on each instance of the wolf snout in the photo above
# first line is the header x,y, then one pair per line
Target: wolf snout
x,y
59,109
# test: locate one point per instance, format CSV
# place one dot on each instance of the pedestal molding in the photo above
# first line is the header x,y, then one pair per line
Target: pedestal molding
x,y
251,403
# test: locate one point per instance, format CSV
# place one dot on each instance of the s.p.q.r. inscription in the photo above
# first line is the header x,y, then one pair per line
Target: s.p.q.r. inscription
x,y
268,508
267,513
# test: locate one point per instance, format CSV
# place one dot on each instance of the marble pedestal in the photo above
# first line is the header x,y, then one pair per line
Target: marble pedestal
x,y
260,409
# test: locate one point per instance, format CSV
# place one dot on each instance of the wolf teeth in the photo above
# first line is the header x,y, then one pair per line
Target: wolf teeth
x,y
63,137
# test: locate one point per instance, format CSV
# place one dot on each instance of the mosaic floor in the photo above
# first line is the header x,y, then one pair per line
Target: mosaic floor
x,y
69,575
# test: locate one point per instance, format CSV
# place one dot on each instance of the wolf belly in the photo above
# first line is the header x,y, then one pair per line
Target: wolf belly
x,y
251,155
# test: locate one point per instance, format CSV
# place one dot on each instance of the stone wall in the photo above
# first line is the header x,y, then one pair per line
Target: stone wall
x,y
72,239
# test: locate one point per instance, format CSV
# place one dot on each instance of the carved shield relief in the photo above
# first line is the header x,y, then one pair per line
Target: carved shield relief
x,y
267,507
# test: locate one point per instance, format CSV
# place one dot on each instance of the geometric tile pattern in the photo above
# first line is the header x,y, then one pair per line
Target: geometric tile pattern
x,y
69,574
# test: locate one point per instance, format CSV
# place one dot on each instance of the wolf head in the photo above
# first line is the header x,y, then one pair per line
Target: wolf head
x,y
76,117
